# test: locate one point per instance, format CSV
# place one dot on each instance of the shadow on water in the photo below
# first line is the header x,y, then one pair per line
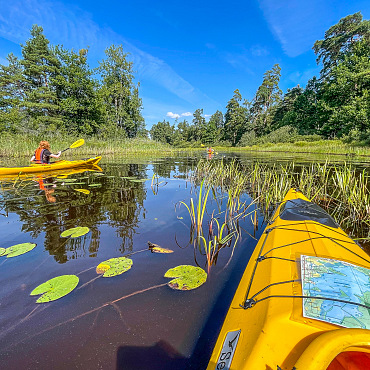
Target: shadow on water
x,y
163,356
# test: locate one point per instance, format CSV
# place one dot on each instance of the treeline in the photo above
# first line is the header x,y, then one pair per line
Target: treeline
x,y
334,105
53,90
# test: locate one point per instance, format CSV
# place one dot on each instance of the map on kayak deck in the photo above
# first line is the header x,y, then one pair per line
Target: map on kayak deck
x,y
342,281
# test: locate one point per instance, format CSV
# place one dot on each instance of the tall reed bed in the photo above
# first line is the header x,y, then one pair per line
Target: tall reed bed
x,y
342,190
17,146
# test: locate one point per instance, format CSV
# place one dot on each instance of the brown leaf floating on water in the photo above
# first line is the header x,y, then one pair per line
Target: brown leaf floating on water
x,y
155,248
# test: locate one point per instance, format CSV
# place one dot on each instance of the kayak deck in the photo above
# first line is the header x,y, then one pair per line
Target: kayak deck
x,y
265,327
40,168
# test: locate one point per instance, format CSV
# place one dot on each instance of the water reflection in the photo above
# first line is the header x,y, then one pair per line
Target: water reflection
x,y
160,327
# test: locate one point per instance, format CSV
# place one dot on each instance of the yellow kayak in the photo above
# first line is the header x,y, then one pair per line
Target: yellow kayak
x,y
303,302
56,166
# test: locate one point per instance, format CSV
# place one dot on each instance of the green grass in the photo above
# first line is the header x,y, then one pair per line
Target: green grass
x,y
14,146
343,191
336,147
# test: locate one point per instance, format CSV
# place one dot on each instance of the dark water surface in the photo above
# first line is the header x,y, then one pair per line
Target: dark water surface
x,y
153,327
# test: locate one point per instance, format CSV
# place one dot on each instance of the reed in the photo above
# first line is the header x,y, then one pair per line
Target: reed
x,y
342,190
14,146
197,212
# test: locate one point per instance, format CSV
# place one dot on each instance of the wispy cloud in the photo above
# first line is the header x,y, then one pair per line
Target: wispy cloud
x,y
259,51
239,60
76,29
298,24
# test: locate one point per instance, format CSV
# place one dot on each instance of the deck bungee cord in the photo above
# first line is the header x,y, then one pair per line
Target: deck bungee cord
x,y
251,301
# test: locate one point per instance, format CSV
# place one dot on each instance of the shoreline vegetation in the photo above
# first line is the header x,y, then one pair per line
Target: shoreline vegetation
x,y
19,146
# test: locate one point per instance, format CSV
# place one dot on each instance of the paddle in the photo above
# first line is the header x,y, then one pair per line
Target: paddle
x,y
76,144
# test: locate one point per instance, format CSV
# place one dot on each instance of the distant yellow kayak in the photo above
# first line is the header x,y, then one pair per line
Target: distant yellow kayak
x,y
56,166
304,299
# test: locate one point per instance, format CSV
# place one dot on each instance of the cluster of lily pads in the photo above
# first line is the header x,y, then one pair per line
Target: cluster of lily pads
x,y
184,277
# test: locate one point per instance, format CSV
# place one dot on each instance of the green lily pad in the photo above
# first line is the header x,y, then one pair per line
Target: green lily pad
x,y
55,288
2,251
18,249
186,277
114,266
75,232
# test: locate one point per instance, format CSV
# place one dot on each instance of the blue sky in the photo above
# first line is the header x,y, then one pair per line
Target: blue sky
x,y
187,54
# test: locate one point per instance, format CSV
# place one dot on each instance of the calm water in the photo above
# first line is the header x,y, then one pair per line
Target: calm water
x,y
152,328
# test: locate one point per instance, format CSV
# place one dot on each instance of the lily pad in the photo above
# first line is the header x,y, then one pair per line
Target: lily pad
x,y
186,277
2,251
84,191
114,266
55,288
18,249
75,232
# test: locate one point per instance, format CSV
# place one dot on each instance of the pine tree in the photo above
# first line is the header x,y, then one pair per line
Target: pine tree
x,y
40,67
236,120
77,92
11,94
119,94
265,100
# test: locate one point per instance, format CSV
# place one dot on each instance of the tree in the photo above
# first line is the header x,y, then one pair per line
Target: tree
x,y
163,132
40,67
214,127
236,122
199,125
265,100
346,93
183,134
119,94
76,91
285,113
11,94
339,40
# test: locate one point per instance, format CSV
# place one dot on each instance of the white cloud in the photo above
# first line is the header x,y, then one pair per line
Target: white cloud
x,y
208,115
186,114
172,115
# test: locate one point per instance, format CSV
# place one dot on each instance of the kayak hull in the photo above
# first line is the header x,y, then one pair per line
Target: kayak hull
x,y
56,166
266,314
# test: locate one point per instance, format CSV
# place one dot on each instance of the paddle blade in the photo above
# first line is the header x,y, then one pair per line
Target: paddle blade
x,y
77,143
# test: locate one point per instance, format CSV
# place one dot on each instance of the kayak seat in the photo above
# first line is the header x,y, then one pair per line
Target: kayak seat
x,y
351,360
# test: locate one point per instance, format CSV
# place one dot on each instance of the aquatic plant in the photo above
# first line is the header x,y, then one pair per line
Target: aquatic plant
x,y
17,249
342,190
197,212
55,288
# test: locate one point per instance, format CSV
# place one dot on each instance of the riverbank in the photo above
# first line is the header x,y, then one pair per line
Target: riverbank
x,y
17,146
332,147
14,146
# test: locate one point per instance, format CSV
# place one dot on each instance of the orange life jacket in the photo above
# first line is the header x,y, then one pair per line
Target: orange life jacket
x,y
38,155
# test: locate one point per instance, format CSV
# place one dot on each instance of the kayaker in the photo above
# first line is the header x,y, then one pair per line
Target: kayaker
x,y
42,154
